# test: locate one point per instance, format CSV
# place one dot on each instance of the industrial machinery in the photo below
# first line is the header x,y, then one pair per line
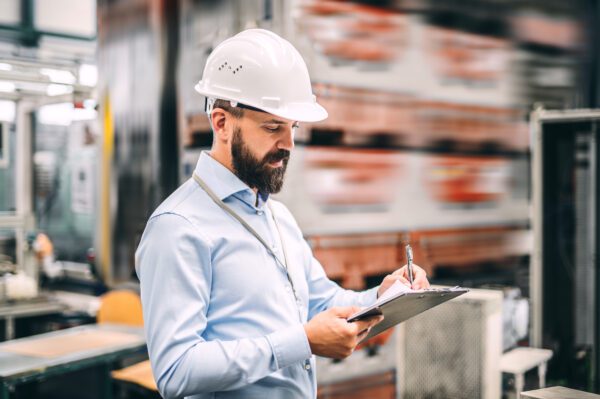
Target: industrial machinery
x,y
564,270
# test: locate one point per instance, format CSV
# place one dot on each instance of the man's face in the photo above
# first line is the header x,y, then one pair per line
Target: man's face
x,y
260,150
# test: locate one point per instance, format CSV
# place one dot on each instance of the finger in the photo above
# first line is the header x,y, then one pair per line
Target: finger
x,y
403,272
402,279
397,275
421,283
418,270
363,334
421,278
404,269
374,321
361,325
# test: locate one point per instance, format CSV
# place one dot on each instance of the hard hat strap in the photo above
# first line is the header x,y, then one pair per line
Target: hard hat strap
x,y
244,106
209,103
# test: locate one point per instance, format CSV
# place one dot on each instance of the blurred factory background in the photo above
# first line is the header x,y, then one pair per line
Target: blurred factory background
x,y
462,127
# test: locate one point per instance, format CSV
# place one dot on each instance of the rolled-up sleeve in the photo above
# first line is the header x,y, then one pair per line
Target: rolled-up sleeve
x,y
173,263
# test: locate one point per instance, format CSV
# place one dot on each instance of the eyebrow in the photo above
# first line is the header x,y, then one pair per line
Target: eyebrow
x,y
280,122
277,121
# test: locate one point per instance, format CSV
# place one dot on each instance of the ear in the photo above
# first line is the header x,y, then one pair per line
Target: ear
x,y
221,124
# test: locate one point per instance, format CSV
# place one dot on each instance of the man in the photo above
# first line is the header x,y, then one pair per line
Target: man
x,y
235,305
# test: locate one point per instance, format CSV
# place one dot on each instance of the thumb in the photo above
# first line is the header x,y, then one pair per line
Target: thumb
x,y
345,311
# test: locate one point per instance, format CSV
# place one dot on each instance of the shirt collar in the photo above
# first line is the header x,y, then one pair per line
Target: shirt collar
x,y
225,183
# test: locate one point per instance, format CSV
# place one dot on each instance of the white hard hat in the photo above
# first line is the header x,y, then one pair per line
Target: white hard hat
x,y
258,68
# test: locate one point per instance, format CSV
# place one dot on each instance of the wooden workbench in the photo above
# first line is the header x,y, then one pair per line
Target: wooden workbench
x,y
45,355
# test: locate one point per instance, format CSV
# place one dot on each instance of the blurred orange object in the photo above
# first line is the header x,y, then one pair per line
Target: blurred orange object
x,y
358,49
352,32
467,56
351,177
378,340
547,30
468,180
139,374
43,246
121,307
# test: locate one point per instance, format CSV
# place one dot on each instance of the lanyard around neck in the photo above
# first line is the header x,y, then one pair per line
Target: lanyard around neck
x,y
237,217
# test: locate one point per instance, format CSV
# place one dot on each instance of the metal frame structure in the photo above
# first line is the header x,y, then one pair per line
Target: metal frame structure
x,y
585,278
25,31
22,220
538,117
4,153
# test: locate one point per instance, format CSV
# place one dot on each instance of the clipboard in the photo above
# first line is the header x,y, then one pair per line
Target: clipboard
x,y
404,305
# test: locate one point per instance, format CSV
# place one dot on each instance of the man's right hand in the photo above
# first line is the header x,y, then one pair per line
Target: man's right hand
x,y
330,335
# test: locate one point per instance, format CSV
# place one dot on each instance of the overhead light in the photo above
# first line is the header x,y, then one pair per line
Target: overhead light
x,y
84,114
7,111
58,76
7,87
88,75
58,90
5,67
55,114
90,103
64,114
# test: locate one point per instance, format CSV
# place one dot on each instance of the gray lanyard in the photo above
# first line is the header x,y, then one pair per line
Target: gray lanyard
x,y
230,211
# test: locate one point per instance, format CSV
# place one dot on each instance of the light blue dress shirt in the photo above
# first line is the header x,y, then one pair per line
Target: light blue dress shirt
x,y
220,316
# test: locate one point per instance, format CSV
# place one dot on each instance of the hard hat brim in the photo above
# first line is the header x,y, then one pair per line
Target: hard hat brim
x,y
301,112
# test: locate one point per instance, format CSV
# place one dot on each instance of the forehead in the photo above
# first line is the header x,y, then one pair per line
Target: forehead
x,y
265,117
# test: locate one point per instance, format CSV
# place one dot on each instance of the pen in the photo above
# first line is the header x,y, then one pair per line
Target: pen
x,y
409,261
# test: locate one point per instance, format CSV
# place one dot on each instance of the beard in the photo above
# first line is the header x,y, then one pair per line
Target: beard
x,y
254,172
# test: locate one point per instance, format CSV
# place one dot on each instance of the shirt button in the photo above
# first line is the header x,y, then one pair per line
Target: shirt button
x,y
259,212
307,366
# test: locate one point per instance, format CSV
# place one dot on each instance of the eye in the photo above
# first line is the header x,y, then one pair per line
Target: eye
x,y
272,128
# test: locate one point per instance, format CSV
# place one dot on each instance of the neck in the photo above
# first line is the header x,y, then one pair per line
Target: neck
x,y
222,157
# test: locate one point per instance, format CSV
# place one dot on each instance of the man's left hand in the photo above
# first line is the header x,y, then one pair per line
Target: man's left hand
x,y
420,281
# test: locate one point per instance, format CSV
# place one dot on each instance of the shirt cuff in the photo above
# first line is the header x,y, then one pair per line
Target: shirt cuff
x,y
289,345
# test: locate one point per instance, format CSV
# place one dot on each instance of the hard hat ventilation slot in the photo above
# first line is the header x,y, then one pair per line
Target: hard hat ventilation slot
x,y
225,65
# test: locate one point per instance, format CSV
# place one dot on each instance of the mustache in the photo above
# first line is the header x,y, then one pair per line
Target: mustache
x,y
279,155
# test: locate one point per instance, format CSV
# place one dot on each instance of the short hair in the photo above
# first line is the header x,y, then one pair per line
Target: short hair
x,y
237,112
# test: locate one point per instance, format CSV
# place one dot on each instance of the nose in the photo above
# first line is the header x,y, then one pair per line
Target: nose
x,y
286,142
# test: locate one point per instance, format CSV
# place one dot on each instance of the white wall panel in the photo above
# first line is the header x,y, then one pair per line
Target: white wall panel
x,y
75,17
10,11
